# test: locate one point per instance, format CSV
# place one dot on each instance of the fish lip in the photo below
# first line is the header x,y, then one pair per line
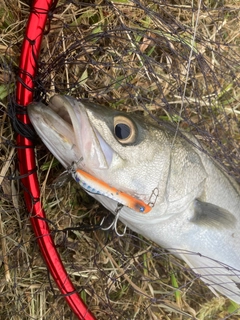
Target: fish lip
x,y
67,120
46,122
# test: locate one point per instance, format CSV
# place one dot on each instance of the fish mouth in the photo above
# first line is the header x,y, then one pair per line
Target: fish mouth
x,y
66,130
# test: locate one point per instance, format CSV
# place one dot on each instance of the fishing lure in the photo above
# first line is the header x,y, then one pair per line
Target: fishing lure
x,y
94,185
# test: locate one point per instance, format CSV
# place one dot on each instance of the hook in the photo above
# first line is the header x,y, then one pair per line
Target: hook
x,y
113,225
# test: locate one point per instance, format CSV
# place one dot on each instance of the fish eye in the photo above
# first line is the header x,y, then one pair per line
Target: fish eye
x,y
125,130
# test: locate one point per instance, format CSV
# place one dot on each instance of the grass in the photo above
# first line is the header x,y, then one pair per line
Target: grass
x,y
178,64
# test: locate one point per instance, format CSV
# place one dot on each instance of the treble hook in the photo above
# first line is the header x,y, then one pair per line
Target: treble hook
x,y
113,225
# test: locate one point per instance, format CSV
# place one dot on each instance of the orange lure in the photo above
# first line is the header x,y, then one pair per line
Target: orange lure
x,y
95,185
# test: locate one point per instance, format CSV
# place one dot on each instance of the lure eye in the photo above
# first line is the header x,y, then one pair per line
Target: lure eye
x,y
125,130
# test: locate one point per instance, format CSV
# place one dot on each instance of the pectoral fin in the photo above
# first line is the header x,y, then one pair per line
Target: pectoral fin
x,y
211,215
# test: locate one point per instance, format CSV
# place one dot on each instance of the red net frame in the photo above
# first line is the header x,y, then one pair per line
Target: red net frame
x,y
27,166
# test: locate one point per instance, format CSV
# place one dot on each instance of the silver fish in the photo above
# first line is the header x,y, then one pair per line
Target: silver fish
x,y
192,205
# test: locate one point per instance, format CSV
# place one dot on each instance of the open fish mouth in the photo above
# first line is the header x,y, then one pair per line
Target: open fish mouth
x,y
65,129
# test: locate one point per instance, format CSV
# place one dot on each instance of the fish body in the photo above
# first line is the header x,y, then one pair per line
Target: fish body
x,y
193,205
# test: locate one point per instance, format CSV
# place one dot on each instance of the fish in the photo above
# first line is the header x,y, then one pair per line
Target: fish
x,y
157,182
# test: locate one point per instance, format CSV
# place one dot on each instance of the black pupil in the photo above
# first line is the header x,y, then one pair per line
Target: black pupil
x,y
122,131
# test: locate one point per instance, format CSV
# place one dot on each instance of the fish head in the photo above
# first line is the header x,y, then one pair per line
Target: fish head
x,y
118,148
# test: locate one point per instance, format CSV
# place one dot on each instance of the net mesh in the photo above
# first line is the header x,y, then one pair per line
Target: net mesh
x,y
177,61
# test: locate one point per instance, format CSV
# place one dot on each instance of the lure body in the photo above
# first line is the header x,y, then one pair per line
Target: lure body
x,y
95,186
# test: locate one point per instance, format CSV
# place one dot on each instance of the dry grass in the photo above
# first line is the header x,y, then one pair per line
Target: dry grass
x,y
134,56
